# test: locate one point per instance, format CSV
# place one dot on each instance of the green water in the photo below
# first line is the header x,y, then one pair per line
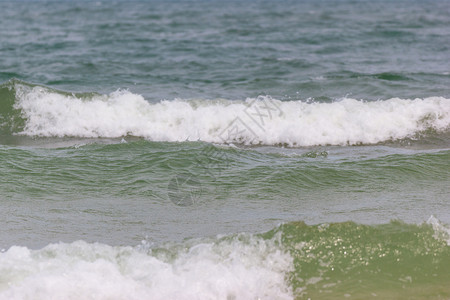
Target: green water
x,y
224,150
390,261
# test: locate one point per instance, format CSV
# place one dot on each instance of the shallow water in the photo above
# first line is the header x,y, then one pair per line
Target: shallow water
x,y
209,150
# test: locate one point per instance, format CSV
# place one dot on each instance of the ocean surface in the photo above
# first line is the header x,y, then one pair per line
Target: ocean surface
x,y
225,149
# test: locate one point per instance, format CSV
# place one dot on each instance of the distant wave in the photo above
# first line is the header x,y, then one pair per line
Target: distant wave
x,y
35,110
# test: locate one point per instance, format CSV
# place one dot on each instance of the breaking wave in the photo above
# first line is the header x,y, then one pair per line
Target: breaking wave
x,y
294,260
35,110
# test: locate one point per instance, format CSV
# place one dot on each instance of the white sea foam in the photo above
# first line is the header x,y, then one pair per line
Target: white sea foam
x,y
254,121
241,268
441,230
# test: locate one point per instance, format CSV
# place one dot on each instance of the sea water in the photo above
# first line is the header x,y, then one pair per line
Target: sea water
x,y
224,150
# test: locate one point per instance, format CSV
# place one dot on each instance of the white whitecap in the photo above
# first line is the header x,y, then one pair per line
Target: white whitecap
x,y
228,269
262,120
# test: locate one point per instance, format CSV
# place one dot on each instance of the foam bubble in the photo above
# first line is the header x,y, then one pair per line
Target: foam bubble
x,y
244,267
255,121
442,232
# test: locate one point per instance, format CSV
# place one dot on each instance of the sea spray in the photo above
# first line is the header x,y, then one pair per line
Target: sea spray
x,y
294,260
260,121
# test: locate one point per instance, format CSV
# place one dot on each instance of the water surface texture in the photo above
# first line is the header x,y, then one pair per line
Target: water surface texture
x,y
225,150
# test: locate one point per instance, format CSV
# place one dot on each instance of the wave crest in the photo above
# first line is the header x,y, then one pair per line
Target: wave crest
x,y
255,121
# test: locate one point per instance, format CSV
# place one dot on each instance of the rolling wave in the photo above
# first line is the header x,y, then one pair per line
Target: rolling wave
x,y
294,260
34,110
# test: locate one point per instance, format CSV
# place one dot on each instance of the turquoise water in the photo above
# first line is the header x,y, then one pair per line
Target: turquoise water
x,y
238,150
205,49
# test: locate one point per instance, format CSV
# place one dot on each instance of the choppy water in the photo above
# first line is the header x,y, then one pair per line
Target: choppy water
x,y
210,150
